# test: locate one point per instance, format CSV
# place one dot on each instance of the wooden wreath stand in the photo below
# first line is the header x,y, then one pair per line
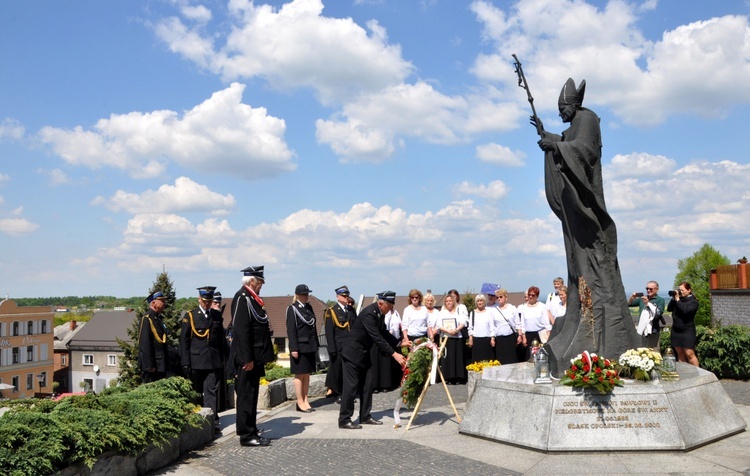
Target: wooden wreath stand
x,y
441,349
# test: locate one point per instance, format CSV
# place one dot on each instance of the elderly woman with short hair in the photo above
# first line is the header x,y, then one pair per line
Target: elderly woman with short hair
x,y
482,330
507,325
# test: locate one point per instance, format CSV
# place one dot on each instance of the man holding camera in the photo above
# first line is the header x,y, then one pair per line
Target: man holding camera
x,y
643,301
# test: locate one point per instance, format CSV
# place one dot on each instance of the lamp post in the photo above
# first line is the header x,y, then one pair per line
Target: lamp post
x,y
40,377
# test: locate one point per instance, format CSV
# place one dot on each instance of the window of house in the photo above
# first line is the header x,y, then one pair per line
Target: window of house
x,y
15,328
44,327
88,384
88,359
64,360
30,353
15,383
112,360
29,381
30,327
15,355
44,379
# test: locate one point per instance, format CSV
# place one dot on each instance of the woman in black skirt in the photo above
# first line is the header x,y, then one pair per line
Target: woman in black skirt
x,y
303,344
450,322
684,306
506,329
482,330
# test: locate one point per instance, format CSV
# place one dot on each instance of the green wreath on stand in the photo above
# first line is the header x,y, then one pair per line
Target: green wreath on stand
x,y
416,373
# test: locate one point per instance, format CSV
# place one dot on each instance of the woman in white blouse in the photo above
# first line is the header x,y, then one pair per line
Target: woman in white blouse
x,y
507,337
482,330
414,318
450,322
556,308
533,319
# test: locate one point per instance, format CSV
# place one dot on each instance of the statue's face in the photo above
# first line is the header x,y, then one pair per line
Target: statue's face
x,y
567,112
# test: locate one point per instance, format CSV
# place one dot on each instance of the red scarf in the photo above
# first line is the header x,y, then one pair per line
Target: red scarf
x,y
255,296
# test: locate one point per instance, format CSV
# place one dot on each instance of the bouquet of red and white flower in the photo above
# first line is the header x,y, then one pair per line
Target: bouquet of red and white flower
x,y
591,371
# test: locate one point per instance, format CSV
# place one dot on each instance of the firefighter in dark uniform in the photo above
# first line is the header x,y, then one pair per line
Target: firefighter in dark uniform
x,y
253,349
368,330
153,357
203,349
338,321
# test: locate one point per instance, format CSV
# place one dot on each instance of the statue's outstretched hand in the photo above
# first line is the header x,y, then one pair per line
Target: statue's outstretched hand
x,y
535,120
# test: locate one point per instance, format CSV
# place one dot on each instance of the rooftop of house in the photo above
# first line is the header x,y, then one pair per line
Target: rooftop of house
x,y
276,309
103,330
65,332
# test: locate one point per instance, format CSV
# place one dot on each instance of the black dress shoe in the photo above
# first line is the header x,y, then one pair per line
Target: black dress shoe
x,y
350,426
338,400
309,410
372,421
255,441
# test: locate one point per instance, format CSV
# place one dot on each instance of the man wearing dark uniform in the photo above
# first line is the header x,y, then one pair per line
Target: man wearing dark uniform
x,y
152,340
338,321
368,330
253,349
203,349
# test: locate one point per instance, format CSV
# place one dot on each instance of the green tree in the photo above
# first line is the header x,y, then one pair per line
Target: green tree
x,y
696,270
130,375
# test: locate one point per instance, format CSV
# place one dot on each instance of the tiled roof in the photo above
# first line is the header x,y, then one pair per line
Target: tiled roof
x,y
103,330
63,334
276,309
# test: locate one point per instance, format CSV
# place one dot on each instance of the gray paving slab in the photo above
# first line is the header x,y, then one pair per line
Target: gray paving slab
x,y
313,444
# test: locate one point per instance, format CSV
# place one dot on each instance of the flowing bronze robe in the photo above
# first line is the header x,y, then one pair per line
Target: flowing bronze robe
x,y
573,183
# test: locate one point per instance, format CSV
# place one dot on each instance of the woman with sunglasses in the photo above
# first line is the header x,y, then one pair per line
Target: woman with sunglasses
x,y
414,319
533,320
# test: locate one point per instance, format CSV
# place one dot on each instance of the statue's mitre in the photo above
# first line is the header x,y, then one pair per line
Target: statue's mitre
x,y
570,95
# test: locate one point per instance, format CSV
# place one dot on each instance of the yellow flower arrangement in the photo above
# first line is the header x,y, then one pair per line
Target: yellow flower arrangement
x,y
263,381
480,366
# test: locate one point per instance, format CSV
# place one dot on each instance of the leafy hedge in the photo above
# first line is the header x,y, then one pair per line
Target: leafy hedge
x,y
275,372
721,350
39,437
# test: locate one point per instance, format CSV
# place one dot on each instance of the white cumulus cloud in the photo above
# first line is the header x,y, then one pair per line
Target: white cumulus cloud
x,y
184,196
494,190
292,46
221,135
17,226
700,68
500,155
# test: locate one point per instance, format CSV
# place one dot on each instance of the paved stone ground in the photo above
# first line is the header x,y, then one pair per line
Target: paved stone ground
x,y
313,444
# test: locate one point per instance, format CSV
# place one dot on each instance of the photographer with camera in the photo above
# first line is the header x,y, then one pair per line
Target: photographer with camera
x,y
684,306
650,309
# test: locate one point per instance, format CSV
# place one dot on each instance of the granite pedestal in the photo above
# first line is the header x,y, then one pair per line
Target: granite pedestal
x,y
665,415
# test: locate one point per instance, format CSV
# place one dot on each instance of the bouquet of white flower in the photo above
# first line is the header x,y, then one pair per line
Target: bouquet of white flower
x,y
638,363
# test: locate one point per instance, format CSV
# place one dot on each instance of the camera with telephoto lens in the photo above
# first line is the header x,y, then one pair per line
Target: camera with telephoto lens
x,y
672,293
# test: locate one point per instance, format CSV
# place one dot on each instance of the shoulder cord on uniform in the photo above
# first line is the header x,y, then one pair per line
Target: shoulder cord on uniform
x,y
195,331
336,321
309,322
160,340
250,310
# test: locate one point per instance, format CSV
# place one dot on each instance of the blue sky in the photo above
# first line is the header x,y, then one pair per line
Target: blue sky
x,y
379,144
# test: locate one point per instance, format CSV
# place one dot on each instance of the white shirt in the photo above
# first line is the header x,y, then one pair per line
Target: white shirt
x,y
534,318
482,324
552,299
506,320
556,308
393,323
444,314
414,321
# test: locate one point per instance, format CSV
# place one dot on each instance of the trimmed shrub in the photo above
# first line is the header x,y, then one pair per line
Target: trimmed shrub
x,y
721,350
277,372
39,437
